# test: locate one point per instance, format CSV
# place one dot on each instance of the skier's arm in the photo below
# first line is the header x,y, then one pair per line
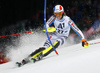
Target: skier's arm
x,y
49,23
76,29
79,32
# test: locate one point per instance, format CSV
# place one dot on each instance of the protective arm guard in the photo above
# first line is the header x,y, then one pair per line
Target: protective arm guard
x,y
51,29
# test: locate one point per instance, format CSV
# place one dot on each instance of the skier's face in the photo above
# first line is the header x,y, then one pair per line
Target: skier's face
x,y
58,15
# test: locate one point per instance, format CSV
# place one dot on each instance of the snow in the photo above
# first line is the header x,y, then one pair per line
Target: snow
x,y
71,59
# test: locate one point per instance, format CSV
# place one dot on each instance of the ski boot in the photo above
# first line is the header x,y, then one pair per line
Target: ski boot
x,y
23,62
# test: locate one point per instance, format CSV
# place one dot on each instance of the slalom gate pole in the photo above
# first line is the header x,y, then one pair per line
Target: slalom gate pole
x,y
94,43
15,34
46,27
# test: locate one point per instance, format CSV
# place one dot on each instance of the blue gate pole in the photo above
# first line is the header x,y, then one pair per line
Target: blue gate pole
x,y
46,27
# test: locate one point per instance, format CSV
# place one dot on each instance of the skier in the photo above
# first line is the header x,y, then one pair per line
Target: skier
x,y
60,32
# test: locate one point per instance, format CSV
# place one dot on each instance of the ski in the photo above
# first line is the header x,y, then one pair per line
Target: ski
x,y
28,59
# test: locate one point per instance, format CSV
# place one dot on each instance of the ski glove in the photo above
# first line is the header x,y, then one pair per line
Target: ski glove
x,y
84,43
51,29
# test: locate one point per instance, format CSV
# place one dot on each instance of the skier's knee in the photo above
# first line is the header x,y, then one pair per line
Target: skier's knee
x,y
56,46
50,49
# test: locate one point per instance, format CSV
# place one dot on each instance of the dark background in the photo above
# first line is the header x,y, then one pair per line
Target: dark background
x,y
12,11
18,16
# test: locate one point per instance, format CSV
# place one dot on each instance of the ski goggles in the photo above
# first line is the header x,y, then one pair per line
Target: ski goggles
x,y
59,13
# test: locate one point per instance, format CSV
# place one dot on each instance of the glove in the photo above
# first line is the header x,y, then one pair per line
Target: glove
x,y
51,29
84,43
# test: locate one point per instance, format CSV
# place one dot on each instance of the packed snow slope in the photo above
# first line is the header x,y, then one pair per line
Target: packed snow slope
x,y
71,59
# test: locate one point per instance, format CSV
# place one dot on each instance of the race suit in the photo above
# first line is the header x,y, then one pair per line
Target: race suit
x,y
62,30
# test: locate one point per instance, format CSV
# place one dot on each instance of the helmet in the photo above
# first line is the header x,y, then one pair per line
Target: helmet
x,y
58,8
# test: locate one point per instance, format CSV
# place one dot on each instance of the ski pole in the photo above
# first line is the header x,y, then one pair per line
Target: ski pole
x,y
94,43
46,28
15,34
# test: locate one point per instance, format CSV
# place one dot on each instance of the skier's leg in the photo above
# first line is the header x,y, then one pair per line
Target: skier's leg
x,y
56,42
39,54
37,51
50,48
46,49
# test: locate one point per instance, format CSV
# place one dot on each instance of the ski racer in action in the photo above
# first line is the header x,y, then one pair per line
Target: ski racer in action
x,y
60,32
